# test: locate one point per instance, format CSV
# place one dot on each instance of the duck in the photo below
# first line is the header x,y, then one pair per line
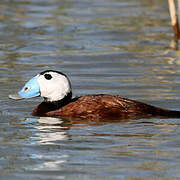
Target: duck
x,y
55,88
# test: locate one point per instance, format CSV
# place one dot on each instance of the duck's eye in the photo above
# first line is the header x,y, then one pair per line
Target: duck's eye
x,y
26,89
48,76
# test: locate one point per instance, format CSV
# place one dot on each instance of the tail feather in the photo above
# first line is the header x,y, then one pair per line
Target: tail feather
x,y
167,113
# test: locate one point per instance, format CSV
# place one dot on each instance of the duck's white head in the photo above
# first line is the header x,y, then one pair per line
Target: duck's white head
x,y
51,85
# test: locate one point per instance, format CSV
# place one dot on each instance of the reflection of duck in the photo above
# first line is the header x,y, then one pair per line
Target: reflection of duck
x,y
49,130
55,88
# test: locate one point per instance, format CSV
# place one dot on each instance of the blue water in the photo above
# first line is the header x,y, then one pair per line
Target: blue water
x,y
115,47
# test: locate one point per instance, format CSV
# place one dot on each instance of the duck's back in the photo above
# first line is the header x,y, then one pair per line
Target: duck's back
x,y
107,106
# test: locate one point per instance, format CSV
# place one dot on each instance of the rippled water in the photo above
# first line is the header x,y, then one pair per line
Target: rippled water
x,y
116,47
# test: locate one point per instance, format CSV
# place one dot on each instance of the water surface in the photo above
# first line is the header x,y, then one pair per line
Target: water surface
x,y
116,47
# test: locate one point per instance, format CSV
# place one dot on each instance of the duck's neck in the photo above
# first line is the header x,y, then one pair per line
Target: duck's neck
x,y
60,103
47,106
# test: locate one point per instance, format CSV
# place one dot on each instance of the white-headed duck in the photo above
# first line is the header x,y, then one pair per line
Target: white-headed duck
x,y
55,88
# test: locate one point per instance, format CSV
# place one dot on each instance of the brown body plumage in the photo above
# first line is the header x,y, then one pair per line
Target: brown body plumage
x,y
102,107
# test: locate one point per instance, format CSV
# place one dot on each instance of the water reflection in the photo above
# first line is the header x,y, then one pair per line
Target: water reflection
x,y
48,130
